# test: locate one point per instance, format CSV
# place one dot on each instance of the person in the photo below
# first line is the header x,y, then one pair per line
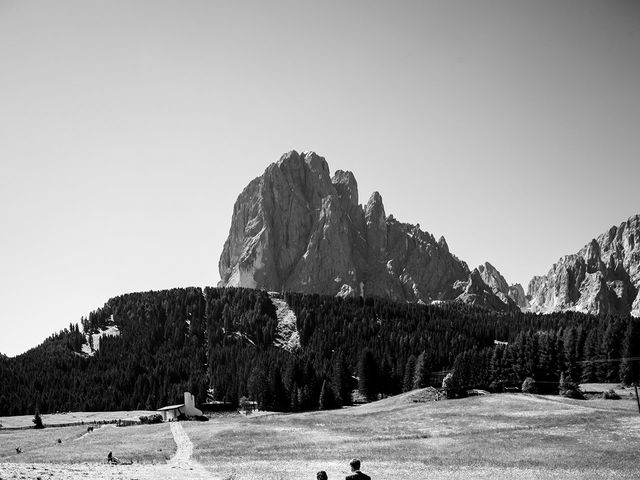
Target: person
x,y
18,449
112,459
357,474
322,475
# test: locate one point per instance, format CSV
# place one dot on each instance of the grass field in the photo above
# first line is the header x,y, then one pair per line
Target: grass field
x,y
496,436
141,443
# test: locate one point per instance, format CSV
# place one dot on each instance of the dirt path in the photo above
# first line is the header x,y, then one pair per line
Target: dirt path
x,y
182,461
179,467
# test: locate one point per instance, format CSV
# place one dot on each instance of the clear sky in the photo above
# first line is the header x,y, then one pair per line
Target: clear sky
x,y
128,128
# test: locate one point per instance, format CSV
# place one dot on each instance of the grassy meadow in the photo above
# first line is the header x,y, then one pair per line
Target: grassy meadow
x,y
140,443
496,436
488,437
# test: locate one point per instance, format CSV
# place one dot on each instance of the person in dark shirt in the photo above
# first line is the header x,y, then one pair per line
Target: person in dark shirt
x,y
357,474
112,459
322,475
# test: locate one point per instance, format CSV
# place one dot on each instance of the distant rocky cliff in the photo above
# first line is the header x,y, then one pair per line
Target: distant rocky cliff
x,y
603,277
297,228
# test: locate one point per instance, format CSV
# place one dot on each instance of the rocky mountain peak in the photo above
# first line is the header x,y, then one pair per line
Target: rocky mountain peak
x,y
442,243
476,284
475,291
516,292
347,187
296,228
592,257
487,287
374,211
492,278
376,222
603,277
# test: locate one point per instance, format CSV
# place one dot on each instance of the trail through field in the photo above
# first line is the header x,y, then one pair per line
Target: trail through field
x,y
179,467
94,432
182,461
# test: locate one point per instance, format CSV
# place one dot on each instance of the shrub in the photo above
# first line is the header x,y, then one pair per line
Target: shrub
x,y
569,389
497,386
451,386
572,393
245,405
149,419
529,385
611,395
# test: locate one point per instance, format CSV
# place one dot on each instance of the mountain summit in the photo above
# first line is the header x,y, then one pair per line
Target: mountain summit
x,y
603,277
297,228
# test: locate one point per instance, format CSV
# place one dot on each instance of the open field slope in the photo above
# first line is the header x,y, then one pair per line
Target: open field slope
x,y
490,437
141,443
497,436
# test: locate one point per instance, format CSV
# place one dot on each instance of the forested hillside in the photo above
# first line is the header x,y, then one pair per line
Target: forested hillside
x,y
223,339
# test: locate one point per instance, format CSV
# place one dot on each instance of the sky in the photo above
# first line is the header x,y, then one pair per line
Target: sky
x,y
128,129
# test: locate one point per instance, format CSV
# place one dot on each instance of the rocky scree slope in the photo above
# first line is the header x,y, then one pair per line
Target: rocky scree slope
x,y
297,228
603,277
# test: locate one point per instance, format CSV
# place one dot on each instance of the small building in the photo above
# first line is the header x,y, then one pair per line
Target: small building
x,y
188,409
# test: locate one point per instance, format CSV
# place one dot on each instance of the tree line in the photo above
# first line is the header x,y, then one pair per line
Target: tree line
x,y
219,343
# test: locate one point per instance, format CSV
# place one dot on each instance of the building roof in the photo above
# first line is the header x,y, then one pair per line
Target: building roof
x,y
170,407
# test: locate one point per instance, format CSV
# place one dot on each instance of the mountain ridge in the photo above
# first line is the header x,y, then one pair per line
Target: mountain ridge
x,y
603,277
297,228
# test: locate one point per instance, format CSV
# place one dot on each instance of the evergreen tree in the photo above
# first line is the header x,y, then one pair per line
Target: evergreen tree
x,y
387,379
423,371
368,375
277,398
570,344
612,349
37,420
630,369
294,395
327,400
409,374
589,367
342,381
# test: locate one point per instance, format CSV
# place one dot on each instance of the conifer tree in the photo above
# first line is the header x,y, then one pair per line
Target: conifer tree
x,y
589,367
570,345
630,369
409,374
37,420
423,371
327,400
368,375
342,381
294,395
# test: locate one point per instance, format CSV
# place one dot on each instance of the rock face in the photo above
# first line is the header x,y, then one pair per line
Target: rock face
x,y
297,228
516,292
603,277
487,287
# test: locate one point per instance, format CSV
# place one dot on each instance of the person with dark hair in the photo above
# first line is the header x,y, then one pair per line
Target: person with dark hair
x,y
357,474
322,475
113,460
